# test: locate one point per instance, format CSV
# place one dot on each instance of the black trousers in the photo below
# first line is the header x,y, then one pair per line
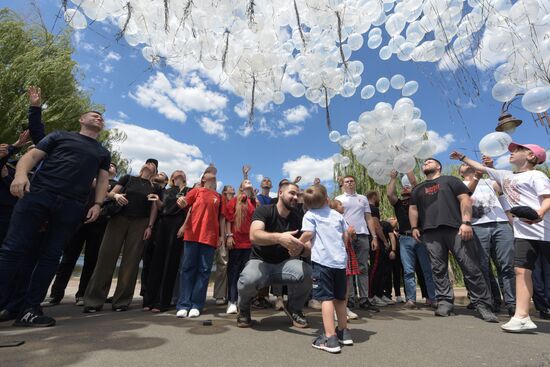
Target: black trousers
x,y
89,237
167,250
395,273
379,271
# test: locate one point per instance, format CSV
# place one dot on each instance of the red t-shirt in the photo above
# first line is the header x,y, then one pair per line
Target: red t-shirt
x,y
241,236
203,226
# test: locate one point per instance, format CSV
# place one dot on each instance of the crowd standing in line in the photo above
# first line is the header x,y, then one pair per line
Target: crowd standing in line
x,y
61,196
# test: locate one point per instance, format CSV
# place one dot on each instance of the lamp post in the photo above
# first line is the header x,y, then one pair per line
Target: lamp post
x,y
506,122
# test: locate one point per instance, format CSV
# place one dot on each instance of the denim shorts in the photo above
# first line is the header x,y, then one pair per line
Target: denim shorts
x,y
328,283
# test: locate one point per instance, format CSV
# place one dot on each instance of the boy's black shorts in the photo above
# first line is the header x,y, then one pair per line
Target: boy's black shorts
x,y
527,252
328,283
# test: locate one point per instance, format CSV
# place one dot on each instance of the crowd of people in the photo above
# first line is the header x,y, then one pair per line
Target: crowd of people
x,y
63,195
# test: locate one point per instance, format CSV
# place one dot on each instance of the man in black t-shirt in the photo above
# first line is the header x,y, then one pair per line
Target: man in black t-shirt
x,y
274,234
441,208
58,195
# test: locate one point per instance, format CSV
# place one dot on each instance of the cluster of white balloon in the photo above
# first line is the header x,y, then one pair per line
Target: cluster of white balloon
x,y
396,82
386,138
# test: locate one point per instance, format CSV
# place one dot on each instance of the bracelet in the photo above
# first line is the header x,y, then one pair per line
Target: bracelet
x,y
100,204
413,228
462,157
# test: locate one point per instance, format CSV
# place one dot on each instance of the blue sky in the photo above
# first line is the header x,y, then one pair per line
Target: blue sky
x,y
187,122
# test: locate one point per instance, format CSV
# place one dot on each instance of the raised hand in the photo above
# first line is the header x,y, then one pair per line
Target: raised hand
x,y
456,155
393,174
246,169
487,161
35,96
24,138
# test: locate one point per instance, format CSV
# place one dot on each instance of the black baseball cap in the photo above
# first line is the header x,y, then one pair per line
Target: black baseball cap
x,y
154,161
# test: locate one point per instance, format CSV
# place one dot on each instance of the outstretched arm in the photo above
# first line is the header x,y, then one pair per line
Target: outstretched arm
x,y
470,162
390,189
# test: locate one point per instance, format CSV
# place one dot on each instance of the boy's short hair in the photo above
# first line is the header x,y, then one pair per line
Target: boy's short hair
x,y
372,193
315,196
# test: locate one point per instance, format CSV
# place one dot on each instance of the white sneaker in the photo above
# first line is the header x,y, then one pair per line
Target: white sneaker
x,y
378,302
400,299
351,315
194,313
182,314
517,325
313,303
388,300
231,308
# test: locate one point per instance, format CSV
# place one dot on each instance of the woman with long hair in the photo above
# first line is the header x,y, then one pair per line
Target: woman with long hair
x,y
238,215
220,257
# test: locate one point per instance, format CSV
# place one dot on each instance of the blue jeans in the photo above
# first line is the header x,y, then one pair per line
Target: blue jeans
x,y
409,249
196,266
30,213
237,261
498,238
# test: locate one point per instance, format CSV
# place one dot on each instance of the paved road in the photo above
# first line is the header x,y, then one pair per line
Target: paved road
x,y
394,337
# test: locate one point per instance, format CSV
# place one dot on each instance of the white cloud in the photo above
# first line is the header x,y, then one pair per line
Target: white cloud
x,y
112,56
259,177
442,142
122,115
144,143
503,162
309,168
107,68
296,114
213,127
241,109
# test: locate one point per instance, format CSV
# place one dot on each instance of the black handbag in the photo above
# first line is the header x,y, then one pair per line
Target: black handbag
x,y
110,206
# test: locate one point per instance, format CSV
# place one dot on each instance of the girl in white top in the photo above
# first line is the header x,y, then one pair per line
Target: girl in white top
x,y
523,187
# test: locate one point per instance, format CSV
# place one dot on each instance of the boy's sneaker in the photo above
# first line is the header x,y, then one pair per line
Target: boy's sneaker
x,y
486,313
51,301
329,344
79,301
344,336
182,313
388,300
7,315
244,319
33,318
231,308
517,325
351,315
91,309
298,319
378,302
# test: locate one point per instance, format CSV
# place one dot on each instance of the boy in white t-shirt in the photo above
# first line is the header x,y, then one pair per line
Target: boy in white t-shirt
x,y
523,187
326,229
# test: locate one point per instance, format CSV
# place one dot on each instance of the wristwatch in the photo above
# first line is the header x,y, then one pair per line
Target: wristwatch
x,y
467,222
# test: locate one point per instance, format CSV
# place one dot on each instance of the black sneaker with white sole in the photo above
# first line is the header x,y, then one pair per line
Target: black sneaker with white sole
x,y
486,314
33,318
344,336
51,301
329,344
298,319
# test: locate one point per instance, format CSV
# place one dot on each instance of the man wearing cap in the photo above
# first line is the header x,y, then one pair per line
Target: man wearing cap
x,y
528,193
440,215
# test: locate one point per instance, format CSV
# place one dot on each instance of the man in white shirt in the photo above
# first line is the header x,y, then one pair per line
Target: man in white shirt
x,y
491,226
357,214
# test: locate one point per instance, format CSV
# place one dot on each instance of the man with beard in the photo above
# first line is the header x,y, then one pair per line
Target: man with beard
x,y
440,215
274,233
409,249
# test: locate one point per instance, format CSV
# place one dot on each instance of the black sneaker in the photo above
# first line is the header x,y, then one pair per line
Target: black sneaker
x,y
298,319
120,308
33,318
544,314
109,300
91,309
344,336
471,306
261,303
244,319
329,344
367,305
486,313
51,301
444,309
6,315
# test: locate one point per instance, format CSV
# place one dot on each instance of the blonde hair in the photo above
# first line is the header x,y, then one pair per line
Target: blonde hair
x,y
315,196
171,180
241,206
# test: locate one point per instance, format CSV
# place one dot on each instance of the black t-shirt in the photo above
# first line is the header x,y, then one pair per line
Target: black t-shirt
x,y
269,214
437,202
386,229
169,198
136,190
401,209
374,211
73,161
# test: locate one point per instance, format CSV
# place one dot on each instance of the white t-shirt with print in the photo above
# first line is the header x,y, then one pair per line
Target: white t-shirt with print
x,y
355,207
525,188
328,226
486,207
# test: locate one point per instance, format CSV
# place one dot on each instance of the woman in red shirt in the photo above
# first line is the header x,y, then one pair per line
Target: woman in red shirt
x,y
201,234
238,215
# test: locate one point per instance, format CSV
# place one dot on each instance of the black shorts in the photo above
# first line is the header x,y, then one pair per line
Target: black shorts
x,y
527,252
328,283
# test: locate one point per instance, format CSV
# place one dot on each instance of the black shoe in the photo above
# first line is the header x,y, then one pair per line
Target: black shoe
x,y
496,308
486,313
51,301
367,305
330,345
545,314
6,315
511,310
298,319
344,336
244,319
471,306
444,309
109,300
351,303
91,309
261,303
33,318
120,308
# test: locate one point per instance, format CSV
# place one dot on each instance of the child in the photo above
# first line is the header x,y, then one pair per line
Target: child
x,y
525,187
326,229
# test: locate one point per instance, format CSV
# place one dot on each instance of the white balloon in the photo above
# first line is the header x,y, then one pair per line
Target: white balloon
x,y
427,149
385,53
278,97
367,92
374,42
337,158
345,161
504,91
409,88
495,144
405,181
355,41
75,19
334,136
382,85
537,100
404,163
397,81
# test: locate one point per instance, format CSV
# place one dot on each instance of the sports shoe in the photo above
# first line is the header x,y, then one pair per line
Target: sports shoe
x,y
329,344
220,302
298,319
51,301
367,305
377,301
120,308
231,308
313,303
400,299
91,309
388,300
344,336
244,319
410,305
33,318
194,313
79,301
444,309
7,315
543,314
182,314
486,313
279,303
351,315
517,325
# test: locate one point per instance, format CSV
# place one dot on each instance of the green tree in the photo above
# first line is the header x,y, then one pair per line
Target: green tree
x,y
30,55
